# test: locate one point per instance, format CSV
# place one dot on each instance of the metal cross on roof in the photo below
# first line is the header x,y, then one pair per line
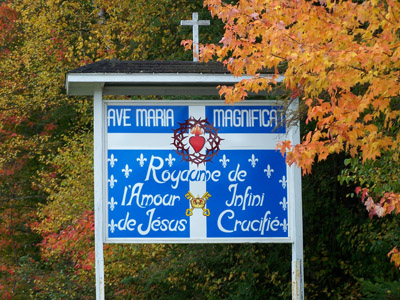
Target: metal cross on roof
x,y
195,22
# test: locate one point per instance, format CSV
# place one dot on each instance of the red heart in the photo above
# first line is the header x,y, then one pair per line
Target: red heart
x,y
197,142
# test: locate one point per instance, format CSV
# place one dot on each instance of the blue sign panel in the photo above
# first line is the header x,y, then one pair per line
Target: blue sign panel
x,y
125,119
143,200
195,173
250,200
246,119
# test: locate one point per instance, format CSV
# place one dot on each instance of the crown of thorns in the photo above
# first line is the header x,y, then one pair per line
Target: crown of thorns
x,y
182,146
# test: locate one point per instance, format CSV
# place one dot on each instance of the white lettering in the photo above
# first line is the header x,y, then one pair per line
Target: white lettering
x,y
129,224
258,225
176,176
237,175
150,213
145,200
247,200
154,117
219,222
111,117
153,169
161,224
237,117
118,117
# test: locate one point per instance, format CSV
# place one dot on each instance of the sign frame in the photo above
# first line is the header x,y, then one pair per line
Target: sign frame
x,y
290,171
294,192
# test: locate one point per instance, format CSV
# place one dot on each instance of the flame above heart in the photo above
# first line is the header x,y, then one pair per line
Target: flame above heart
x,y
197,130
197,141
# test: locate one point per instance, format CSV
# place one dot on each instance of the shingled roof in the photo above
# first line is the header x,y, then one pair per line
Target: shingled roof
x,y
125,77
129,67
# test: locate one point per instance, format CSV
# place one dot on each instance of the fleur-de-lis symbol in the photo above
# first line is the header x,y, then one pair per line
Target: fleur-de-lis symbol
x,y
170,160
224,161
269,171
141,160
284,203
284,225
253,160
112,203
126,171
283,181
112,181
112,160
112,226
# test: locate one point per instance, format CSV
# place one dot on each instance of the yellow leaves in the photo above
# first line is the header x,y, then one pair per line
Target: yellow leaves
x,y
372,145
371,129
70,197
394,255
353,151
375,2
230,93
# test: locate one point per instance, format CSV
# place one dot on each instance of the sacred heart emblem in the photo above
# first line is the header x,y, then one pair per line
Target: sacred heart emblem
x,y
193,136
197,141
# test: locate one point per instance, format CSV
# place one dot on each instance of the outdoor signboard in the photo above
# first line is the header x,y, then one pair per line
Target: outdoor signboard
x,y
196,172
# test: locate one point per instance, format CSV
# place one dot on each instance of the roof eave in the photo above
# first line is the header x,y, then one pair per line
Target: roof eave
x,y
84,84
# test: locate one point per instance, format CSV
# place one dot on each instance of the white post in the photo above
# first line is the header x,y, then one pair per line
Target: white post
x,y
297,246
98,189
195,22
297,216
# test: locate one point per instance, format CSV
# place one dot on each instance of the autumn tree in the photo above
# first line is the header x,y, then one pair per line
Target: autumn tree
x,y
342,61
46,203
17,197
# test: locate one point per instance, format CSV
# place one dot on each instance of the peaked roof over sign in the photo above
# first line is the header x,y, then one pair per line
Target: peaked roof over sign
x,y
124,77
129,67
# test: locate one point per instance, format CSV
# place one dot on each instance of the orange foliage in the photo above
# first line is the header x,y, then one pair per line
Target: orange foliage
x,y
75,242
343,61
332,47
